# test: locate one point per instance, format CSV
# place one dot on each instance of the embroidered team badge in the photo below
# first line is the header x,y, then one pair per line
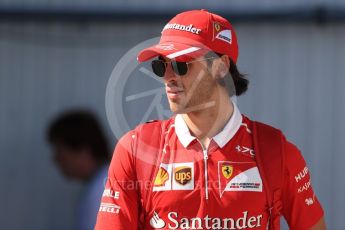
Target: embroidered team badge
x,y
239,177
217,26
227,171
221,33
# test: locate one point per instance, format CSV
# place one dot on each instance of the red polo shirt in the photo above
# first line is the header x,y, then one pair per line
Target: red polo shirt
x,y
192,187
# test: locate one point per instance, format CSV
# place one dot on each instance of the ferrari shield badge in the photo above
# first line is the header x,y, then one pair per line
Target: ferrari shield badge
x,y
227,171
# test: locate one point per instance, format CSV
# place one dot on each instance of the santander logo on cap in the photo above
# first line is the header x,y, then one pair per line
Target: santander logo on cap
x,y
176,26
197,31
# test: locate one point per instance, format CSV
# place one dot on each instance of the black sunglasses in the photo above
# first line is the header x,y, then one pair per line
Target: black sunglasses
x,y
180,68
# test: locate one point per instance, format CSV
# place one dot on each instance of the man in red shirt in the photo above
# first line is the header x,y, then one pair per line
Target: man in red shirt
x,y
199,170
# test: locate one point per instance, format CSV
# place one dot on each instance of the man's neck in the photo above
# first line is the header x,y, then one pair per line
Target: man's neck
x,y
207,123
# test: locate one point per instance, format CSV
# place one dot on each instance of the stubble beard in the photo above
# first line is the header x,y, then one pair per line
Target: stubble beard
x,y
199,100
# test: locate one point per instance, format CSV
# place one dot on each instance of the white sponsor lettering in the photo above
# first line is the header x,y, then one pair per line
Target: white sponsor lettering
x,y
304,187
225,35
172,219
248,180
309,201
110,208
245,150
190,28
111,193
208,222
301,174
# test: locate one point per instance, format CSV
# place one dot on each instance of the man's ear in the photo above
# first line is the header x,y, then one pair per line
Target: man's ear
x,y
225,65
220,67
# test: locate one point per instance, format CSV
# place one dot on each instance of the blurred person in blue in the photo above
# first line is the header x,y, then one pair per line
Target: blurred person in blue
x,y
81,152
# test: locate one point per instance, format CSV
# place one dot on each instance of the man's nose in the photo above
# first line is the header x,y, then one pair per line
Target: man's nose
x,y
169,74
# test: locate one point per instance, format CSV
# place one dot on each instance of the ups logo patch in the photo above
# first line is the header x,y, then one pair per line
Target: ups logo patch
x,y
183,175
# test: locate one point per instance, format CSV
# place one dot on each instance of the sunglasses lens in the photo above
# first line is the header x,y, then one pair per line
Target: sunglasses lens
x,y
180,68
158,67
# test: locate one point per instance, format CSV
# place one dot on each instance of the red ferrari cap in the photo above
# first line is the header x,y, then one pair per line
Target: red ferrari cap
x,y
192,34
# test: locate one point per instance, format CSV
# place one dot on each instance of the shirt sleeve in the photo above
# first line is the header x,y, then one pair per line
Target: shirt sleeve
x,y
120,200
301,207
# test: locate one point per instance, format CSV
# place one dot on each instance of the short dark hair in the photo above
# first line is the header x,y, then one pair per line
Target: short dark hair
x,y
78,129
239,82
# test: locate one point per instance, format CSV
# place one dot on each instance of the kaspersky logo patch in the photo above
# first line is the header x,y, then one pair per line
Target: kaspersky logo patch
x,y
175,176
238,176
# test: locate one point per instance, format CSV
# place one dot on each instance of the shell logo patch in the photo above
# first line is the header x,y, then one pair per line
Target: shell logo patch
x,y
162,177
174,176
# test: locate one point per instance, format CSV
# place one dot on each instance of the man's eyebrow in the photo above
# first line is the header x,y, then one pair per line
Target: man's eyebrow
x,y
164,59
161,58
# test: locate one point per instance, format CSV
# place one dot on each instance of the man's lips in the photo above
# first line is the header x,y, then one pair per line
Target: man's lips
x,y
173,92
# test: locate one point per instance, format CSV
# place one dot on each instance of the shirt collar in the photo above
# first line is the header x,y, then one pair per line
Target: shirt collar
x,y
223,137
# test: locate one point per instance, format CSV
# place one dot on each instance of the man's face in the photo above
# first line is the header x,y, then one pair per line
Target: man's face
x,y
73,163
191,92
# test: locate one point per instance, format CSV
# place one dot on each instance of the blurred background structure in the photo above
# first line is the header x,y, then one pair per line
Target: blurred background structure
x,y
58,55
